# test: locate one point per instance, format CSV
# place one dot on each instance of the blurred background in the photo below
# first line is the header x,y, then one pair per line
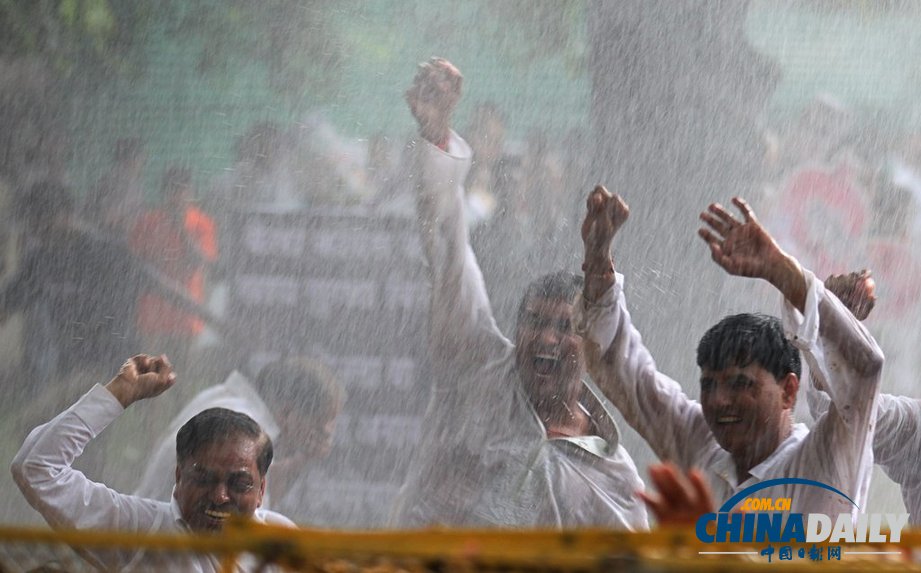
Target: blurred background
x,y
248,154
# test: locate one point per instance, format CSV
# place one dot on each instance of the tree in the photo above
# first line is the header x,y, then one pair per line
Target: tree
x,y
51,48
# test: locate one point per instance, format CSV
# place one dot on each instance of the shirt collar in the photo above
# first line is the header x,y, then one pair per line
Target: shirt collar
x,y
779,455
724,466
603,443
176,514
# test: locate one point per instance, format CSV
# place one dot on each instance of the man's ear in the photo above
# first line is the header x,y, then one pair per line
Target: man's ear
x,y
177,480
790,386
262,490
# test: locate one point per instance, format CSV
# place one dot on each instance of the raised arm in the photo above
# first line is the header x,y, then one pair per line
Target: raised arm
x,y
64,496
841,354
652,403
463,330
745,248
897,439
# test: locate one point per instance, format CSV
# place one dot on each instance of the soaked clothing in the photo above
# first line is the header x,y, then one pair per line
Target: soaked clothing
x,y
237,394
67,499
486,459
896,443
836,452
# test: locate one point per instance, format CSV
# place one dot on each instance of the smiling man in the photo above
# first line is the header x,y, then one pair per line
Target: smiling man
x,y
223,457
749,377
742,431
513,437
294,400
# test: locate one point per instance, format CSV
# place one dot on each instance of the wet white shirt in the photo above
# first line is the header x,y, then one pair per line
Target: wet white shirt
x,y
67,499
235,393
836,452
896,442
486,459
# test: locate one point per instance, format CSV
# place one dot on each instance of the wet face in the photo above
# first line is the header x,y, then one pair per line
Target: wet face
x,y
312,436
748,410
219,480
548,351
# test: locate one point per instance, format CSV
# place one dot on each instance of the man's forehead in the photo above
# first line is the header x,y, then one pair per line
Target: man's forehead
x,y
218,470
753,370
230,451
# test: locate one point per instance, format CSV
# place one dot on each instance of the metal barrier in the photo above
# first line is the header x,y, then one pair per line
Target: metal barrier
x,y
444,551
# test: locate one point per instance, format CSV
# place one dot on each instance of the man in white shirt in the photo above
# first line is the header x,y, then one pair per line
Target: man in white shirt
x,y
897,440
513,436
294,400
741,433
222,461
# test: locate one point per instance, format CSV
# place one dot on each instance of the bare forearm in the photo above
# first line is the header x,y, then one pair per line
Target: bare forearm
x,y
787,276
599,275
605,214
122,391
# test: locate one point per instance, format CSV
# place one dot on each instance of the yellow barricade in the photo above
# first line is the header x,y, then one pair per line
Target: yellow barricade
x,y
449,551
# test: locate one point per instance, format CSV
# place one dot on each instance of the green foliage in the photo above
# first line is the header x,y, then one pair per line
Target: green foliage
x,y
300,43
72,36
533,30
104,37
68,10
98,22
291,38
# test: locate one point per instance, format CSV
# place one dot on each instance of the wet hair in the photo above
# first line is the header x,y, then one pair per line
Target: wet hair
x,y
301,381
43,201
743,339
216,424
559,285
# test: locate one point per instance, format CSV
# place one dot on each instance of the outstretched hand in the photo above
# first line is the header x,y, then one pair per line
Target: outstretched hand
x,y
681,499
141,377
745,248
432,97
857,290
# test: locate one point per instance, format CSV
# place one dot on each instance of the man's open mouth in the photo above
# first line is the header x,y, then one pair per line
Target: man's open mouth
x,y
219,515
728,420
545,364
